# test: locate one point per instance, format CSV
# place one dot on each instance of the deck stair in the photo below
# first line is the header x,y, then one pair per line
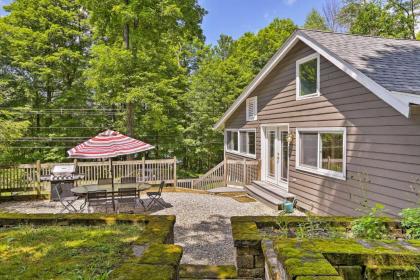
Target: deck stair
x,y
269,194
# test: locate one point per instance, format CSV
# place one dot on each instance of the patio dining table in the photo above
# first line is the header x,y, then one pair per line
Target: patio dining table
x,y
83,190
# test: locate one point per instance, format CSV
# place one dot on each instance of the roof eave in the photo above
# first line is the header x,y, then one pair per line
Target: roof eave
x,y
394,101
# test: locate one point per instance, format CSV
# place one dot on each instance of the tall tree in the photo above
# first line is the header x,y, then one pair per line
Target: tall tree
x,y
395,19
141,61
314,20
43,48
408,12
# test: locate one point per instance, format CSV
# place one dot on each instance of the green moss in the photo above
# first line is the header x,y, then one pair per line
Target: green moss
x,y
308,257
208,272
101,253
245,231
268,221
308,266
292,248
319,278
345,246
392,272
313,257
158,232
128,271
17,218
61,252
161,254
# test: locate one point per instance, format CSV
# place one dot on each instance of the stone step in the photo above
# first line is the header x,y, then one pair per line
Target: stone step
x,y
207,272
269,194
274,190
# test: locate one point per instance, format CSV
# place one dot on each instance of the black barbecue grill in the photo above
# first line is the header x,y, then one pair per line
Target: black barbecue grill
x,y
64,175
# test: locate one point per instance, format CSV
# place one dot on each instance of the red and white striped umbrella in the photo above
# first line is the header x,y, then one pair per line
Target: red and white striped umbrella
x,y
108,144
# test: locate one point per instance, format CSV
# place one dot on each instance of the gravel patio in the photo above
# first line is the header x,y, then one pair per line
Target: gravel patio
x,y
202,222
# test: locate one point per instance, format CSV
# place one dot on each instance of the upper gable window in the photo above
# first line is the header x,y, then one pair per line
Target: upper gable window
x,y
307,77
251,109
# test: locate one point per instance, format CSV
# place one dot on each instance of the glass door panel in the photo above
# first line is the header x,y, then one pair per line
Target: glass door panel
x,y
284,174
277,155
271,153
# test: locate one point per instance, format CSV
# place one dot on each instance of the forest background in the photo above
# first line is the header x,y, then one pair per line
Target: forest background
x,y
70,69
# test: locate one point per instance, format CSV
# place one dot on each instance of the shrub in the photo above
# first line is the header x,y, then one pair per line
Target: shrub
x,y
370,226
411,222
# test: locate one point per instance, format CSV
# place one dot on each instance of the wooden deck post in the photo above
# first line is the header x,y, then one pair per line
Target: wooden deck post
x,y
244,166
38,177
175,179
225,170
143,169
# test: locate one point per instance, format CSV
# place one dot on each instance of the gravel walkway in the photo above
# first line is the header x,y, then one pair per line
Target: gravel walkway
x,y
202,222
203,225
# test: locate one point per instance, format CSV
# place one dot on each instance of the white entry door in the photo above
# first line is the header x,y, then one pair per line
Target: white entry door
x,y
276,158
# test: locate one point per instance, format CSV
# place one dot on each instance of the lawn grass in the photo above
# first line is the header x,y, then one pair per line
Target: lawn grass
x,y
65,252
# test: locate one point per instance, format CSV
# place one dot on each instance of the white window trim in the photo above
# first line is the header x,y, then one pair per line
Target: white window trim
x,y
239,142
251,99
318,74
321,171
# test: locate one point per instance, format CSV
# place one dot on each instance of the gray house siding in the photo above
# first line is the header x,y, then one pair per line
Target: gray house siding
x,y
380,141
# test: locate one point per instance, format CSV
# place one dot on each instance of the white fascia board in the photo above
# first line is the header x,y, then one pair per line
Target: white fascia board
x,y
364,80
407,98
393,100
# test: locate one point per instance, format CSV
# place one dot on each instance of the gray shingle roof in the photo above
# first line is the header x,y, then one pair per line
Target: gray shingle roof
x,y
392,63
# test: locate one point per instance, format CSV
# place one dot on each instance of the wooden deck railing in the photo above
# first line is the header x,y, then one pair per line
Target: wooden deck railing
x,y
27,177
234,172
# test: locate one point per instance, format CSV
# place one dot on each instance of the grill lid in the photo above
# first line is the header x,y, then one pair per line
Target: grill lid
x,y
63,169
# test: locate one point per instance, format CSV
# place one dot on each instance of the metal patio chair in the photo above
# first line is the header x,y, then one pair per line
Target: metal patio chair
x,y
97,198
156,196
128,180
67,202
105,181
127,196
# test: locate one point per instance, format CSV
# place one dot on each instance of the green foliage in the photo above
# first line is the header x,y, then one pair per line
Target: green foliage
x,y
411,222
43,49
76,252
371,226
394,19
146,66
315,21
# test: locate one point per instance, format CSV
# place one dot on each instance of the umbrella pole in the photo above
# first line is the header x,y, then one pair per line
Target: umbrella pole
x,y
112,184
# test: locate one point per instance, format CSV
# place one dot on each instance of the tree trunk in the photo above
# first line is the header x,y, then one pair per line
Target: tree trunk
x,y
130,105
130,119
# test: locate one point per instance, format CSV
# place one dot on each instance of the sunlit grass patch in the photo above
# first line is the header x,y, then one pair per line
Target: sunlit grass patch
x,y
65,252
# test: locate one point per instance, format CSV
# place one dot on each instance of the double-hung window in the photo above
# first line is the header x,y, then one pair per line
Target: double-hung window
x,y
322,151
308,77
240,141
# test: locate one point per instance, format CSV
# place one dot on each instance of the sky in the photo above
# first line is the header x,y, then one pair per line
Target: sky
x,y
235,17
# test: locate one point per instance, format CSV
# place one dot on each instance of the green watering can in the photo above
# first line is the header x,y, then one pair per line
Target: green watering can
x,y
288,206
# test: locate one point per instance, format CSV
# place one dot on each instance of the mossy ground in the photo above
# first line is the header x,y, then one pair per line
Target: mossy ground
x,y
129,271
62,252
87,246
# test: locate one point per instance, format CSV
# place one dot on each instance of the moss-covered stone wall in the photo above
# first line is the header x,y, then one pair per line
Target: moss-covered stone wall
x,y
328,259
